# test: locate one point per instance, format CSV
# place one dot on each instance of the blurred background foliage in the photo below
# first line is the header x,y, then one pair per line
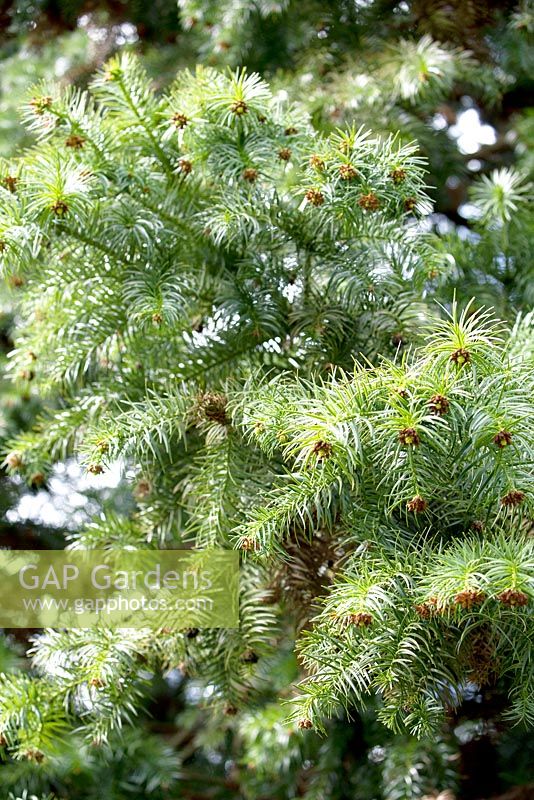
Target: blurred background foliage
x,y
457,76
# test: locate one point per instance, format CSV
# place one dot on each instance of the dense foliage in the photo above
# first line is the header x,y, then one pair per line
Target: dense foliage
x,y
247,303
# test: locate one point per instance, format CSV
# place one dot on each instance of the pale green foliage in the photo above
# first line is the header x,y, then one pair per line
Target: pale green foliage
x,y
136,763
345,441
183,257
421,67
501,195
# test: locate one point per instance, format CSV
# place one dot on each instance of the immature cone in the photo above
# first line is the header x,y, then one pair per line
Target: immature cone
x,y
317,162
186,167
10,182
59,208
315,197
191,633
322,449
513,598
410,437
469,598
369,202
290,131
230,711
410,203
249,543
239,107
142,489
180,120
14,460
423,610
75,142
417,504
37,479
3,740
250,657
305,724
347,172
250,174
438,404
477,525
95,469
502,439
461,357
41,104
427,609
284,154
361,620
513,498
212,406
398,175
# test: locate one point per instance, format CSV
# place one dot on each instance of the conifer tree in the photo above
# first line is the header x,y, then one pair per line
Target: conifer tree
x,y
254,320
